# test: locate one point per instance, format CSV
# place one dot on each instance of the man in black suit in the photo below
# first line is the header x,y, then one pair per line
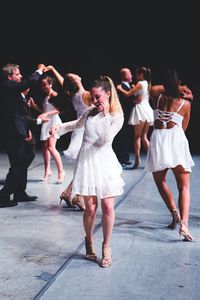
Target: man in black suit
x,y
121,143
16,133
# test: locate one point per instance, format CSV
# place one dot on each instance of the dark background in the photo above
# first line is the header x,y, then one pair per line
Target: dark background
x,y
95,38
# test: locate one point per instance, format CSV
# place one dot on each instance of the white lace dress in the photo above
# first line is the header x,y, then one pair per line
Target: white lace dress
x,y
97,170
142,111
77,135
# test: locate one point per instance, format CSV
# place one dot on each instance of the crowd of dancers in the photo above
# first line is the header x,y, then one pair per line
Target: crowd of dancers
x,y
107,117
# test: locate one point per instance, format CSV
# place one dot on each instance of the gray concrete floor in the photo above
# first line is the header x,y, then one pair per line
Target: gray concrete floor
x,y
42,244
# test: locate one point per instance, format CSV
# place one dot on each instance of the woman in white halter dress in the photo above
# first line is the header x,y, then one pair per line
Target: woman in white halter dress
x,y
169,149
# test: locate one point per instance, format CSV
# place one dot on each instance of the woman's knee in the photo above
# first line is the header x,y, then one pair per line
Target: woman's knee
x,y
183,187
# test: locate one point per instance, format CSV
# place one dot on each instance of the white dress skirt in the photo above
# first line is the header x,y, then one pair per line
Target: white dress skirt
x,y
168,148
97,171
53,120
142,112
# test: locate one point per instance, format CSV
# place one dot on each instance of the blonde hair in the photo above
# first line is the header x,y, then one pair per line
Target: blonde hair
x,y
106,83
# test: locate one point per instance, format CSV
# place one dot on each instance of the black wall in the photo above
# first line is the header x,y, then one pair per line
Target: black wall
x,y
93,38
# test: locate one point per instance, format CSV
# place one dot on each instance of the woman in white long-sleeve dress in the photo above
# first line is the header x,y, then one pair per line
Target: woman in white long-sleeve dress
x,y
97,172
141,116
169,149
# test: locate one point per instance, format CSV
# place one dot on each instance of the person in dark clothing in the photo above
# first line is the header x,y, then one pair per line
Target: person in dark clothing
x,y
17,134
121,143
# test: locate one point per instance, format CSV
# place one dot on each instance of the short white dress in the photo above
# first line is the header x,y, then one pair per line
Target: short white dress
x,y
168,147
77,135
53,119
142,112
97,171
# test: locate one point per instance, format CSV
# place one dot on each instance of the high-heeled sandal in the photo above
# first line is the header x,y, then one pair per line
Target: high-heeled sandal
x,y
78,201
67,199
184,232
90,251
61,179
136,164
46,176
176,219
106,257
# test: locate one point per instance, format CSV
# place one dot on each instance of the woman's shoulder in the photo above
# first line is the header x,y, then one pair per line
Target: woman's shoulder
x,y
186,103
116,115
86,97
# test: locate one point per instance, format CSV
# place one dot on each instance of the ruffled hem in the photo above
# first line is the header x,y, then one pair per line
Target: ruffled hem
x,y
141,114
168,148
164,166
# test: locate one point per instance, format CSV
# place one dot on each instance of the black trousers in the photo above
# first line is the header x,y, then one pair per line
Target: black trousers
x,y
20,154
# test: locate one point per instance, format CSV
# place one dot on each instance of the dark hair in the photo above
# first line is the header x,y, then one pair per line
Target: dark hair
x,y
69,85
49,79
171,83
146,73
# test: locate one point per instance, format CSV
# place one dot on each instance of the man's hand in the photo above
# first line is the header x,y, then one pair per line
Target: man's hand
x,y
29,136
41,67
185,92
43,117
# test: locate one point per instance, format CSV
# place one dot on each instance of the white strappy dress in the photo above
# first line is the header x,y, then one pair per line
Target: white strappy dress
x,y
168,147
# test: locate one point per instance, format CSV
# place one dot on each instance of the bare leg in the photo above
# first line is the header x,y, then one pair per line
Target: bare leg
x,y
183,184
137,142
47,159
108,219
166,194
56,155
145,140
89,218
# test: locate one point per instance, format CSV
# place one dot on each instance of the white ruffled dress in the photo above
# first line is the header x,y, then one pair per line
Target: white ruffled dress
x,y
142,112
97,171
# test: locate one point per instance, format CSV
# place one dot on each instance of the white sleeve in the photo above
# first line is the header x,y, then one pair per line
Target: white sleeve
x,y
70,126
108,127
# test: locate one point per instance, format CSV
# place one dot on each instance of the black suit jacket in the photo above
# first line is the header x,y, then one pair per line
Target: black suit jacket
x,y
127,103
15,118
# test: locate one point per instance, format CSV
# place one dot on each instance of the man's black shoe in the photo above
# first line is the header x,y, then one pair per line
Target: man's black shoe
x,y
4,194
26,198
6,202
125,163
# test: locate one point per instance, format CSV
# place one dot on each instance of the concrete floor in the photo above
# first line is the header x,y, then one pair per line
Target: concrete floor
x,y
42,244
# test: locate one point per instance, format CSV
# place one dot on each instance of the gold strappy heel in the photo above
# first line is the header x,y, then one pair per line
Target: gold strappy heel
x,y
78,201
67,200
90,251
106,257
184,232
176,219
